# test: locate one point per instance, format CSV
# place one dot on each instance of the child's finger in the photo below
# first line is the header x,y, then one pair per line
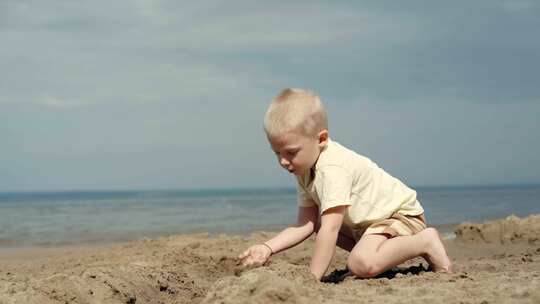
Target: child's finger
x,y
252,261
244,254
248,261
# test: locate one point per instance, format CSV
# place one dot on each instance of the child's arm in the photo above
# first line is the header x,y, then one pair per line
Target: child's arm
x,y
294,235
289,237
325,243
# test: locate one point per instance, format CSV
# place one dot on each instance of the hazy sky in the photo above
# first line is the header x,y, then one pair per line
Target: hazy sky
x,y
171,94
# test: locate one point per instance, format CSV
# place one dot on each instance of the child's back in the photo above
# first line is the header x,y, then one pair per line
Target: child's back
x,y
342,175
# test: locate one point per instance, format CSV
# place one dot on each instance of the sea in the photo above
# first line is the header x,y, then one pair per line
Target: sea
x,y
29,219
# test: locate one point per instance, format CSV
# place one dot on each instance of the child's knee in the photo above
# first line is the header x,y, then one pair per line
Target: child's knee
x,y
362,265
429,234
432,231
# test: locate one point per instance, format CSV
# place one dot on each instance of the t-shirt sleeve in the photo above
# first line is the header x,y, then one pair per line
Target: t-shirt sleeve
x,y
334,188
304,199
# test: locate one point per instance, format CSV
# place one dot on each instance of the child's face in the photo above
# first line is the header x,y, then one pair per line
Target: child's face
x,y
297,152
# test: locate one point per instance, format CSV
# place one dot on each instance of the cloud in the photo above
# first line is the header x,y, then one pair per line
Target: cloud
x,y
518,6
297,27
56,102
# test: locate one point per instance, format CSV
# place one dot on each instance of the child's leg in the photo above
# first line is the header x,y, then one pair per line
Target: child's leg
x,y
376,253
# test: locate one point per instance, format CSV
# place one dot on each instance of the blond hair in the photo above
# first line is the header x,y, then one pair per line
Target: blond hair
x,y
295,110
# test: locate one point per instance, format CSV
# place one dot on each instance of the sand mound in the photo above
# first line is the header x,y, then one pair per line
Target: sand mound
x,y
149,271
506,231
260,285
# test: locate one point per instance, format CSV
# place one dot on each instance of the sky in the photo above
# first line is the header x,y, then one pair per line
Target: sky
x,y
118,95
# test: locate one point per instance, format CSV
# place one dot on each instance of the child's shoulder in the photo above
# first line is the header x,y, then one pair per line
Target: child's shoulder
x,y
337,155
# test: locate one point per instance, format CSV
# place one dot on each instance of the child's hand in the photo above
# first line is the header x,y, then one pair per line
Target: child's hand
x,y
255,255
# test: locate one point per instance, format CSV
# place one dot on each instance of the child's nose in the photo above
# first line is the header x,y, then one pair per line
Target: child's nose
x,y
284,162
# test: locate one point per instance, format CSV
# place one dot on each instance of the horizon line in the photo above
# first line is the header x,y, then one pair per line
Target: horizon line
x,y
256,188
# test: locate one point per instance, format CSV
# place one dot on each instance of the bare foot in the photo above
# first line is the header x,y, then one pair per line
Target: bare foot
x,y
436,254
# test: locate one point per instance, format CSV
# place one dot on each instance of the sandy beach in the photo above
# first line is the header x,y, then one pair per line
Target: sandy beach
x,y
495,262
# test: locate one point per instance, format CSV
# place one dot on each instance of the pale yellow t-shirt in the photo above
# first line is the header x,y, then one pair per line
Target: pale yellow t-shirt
x,y
341,177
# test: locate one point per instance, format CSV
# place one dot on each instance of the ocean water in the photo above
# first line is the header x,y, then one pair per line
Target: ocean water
x,y
71,218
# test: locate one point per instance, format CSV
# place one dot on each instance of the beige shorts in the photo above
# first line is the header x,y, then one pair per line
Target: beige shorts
x,y
397,225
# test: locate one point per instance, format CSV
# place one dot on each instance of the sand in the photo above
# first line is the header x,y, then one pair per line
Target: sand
x,y
495,262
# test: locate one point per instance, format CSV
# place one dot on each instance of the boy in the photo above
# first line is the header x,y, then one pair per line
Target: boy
x,y
342,196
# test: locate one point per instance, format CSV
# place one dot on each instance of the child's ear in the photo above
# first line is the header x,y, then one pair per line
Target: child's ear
x,y
323,138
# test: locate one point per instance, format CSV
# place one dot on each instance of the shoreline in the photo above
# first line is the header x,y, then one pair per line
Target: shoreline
x,y
446,231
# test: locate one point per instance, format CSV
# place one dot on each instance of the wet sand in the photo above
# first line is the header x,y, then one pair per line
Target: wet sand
x,y
495,262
